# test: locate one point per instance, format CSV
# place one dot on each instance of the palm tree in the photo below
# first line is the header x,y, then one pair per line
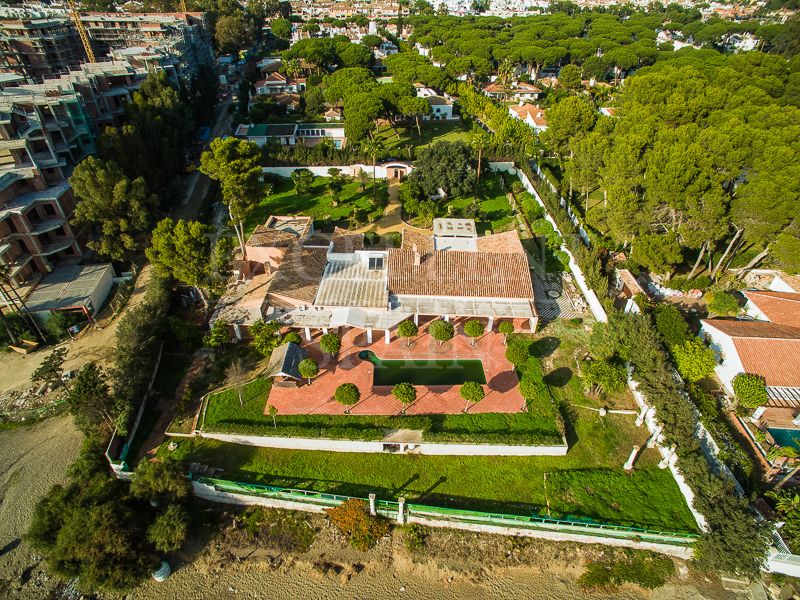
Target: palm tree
x,y
9,293
479,142
292,67
505,71
373,147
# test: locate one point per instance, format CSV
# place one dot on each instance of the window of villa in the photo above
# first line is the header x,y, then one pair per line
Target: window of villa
x,y
376,263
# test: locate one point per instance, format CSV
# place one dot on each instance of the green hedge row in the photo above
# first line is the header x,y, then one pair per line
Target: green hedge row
x,y
517,429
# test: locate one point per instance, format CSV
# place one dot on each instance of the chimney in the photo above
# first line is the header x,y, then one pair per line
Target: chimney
x,y
416,255
521,102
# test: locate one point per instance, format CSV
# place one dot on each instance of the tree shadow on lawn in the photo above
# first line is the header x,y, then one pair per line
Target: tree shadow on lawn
x,y
559,377
544,346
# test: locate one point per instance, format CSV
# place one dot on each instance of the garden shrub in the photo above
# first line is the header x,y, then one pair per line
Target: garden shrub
x,y
722,303
671,325
362,529
644,569
750,390
517,352
694,360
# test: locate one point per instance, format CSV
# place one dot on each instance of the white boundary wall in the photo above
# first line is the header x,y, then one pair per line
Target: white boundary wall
x,y
595,306
207,492
295,443
381,171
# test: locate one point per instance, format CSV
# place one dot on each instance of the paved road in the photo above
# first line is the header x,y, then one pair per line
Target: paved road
x,y
197,184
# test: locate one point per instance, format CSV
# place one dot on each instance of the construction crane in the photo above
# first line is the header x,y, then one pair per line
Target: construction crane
x,y
73,10
183,6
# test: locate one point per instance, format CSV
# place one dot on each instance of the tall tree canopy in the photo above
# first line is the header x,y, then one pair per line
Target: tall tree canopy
x,y
118,209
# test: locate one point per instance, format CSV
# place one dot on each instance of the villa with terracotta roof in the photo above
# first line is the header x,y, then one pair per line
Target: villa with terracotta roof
x,y
766,344
314,286
516,91
533,116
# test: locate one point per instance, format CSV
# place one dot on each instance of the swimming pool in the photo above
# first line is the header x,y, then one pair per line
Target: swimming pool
x,y
787,438
424,372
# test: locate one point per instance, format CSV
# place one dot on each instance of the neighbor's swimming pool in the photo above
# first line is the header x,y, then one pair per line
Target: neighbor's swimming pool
x,y
424,372
787,438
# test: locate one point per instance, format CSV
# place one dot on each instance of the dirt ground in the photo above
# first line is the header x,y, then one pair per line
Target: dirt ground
x,y
32,459
96,344
453,564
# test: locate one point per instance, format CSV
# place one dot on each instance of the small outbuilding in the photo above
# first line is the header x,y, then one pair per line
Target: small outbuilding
x,y
284,363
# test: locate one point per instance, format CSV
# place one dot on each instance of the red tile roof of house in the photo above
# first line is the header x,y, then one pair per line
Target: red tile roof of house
x,y
300,272
767,349
536,113
460,273
779,307
737,328
507,242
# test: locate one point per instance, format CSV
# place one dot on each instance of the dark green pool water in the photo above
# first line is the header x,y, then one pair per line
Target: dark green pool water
x,y
424,372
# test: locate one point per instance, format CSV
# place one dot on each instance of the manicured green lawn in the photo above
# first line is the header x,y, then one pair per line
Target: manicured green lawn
x,y
588,482
575,485
432,131
495,211
316,203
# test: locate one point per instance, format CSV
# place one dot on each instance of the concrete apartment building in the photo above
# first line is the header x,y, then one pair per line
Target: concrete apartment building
x,y
36,203
39,47
43,43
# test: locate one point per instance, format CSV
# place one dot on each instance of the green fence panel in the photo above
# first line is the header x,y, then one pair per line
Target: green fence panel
x,y
389,509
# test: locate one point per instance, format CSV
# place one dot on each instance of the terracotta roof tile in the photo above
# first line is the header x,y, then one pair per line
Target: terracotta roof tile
x,y
460,273
778,361
507,242
779,307
263,236
300,272
737,328
767,349
346,241
423,241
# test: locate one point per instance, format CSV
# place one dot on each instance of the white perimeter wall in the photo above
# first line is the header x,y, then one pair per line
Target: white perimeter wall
x,y
294,443
381,171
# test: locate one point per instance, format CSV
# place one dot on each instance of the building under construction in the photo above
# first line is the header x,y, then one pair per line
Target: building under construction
x,y
45,43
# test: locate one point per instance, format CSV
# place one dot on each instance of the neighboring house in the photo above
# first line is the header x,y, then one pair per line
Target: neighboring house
x,y
441,106
278,83
768,346
333,114
533,116
515,91
293,134
449,274
608,111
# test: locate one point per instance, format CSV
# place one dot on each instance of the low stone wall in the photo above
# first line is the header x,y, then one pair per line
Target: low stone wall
x,y
208,492
425,448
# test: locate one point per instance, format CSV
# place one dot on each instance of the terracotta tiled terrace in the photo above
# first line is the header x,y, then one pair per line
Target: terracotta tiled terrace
x,y
502,393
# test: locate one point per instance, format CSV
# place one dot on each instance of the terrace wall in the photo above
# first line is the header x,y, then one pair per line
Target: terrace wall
x,y
672,544
426,448
381,171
